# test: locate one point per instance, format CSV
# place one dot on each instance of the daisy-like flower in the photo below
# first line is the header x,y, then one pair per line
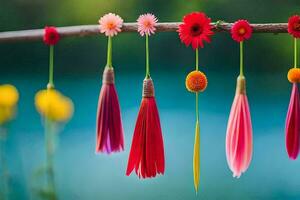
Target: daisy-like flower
x,y
51,36
195,29
146,24
110,24
294,26
241,30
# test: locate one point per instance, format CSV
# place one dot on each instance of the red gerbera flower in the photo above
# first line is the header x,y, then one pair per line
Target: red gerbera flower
x,y
194,29
51,36
294,26
241,30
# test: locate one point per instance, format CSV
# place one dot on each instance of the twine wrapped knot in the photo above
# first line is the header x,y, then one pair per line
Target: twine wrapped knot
x,y
241,85
108,76
148,88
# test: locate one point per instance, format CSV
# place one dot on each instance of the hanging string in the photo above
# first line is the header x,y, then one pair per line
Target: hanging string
x,y
109,53
295,52
51,67
147,57
241,59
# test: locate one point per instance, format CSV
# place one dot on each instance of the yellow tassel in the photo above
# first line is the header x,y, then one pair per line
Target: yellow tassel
x,y
196,159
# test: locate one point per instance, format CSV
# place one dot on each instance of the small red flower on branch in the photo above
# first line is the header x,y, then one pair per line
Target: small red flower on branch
x,y
195,29
51,36
294,26
241,30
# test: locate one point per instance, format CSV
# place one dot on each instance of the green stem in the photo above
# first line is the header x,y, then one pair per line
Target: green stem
x,y
197,109
147,57
4,174
241,59
51,66
295,52
109,53
197,59
50,149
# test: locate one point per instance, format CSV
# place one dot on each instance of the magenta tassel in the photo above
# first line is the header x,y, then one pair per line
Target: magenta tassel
x,y
110,137
292,127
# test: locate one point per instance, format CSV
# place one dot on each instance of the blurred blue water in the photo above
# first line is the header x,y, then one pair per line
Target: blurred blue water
x,y
81,174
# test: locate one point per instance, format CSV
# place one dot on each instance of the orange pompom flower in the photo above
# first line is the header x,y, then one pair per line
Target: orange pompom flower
x,y
196,81
294,75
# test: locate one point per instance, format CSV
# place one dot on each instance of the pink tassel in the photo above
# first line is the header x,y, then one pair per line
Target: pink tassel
x,y
110,137
239,132
147,149
292,127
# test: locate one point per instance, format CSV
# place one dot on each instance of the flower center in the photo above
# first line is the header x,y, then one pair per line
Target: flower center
x,y
196,30
52,36
111,25
297,26
147,24
242,31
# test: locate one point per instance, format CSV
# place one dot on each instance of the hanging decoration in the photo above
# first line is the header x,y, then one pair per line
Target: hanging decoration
x,y
292,126
147,149
109,130
55,109
239,128
194,30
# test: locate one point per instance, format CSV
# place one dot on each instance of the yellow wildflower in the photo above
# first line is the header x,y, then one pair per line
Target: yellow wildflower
x,y
9,95
53,105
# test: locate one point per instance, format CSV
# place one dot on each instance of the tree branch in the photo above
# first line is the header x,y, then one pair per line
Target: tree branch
x,y
87,30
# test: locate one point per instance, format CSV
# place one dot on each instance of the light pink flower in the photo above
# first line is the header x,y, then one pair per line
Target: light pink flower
x,y
110,24
146,24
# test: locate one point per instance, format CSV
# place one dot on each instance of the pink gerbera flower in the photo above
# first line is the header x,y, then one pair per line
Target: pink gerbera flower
x,y
146,24
241,30
110,24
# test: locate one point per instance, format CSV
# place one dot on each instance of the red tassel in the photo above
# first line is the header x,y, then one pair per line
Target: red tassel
x,y
110,137
147,149
292,127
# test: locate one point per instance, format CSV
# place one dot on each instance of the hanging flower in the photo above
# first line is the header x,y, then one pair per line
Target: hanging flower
x,y
294,26
9,97
146,24
109,128
239,140
195,29
52,105
241,30
196,81
110,24
51,36
147,149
